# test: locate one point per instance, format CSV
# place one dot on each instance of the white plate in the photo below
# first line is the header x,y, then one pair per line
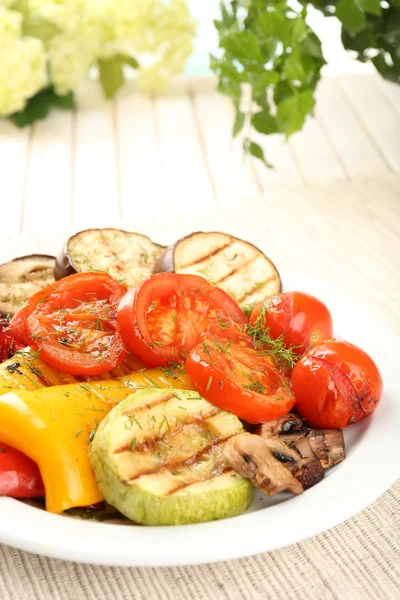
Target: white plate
x,y
370,468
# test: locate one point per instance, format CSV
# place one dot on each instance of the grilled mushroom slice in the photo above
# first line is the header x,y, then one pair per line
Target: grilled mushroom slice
x,y
327,445
289,423
23,277
126,256
271,465
234,265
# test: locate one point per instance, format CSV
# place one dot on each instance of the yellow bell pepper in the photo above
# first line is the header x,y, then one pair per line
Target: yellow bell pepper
x,y
26,371
54,425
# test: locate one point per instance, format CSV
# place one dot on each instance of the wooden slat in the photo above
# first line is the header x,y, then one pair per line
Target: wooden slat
x,y
232,176
95,172
358,154
315,155
279,154
48,193
141,172
392,93
377,114
331,235
187,178
14,145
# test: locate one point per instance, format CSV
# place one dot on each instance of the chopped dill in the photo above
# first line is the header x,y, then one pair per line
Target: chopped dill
x,y
276,348
255,386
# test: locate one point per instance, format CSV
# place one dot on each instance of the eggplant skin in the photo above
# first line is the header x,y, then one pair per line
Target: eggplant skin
x,y
235,265
63,267
127,256
22,277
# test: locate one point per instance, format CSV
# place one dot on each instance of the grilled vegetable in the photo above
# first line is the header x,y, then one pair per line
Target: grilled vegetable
x,y
53,427
128,257
158,458
8,344
25,371
236,266
232,373
73,323
272,465
19,475
23,277
163,319
325,444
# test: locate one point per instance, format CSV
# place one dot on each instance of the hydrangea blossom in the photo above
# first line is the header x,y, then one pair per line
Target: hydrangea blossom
x,y
71,36
22,63
158,32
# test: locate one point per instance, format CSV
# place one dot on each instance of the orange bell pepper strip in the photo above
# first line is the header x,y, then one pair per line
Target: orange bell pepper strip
x,y
53,426
26,371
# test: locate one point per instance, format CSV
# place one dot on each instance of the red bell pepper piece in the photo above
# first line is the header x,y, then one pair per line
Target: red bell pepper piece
x,y
19,475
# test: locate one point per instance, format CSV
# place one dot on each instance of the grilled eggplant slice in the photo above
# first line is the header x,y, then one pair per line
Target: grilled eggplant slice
x,y
126,256
23,277
158,457
236,266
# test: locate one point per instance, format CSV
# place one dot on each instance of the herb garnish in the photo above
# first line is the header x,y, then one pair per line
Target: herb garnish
x,y
276,348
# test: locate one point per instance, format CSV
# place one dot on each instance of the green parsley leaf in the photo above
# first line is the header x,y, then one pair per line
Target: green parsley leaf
x,y
351,15
239,122
293,111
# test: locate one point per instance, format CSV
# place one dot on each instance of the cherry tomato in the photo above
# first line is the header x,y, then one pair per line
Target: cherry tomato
x,y
73,323
19,475
164,319
8,344
302,319
233,375
336,384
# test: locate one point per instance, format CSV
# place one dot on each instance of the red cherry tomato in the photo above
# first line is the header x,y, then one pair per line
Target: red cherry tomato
x,y
164,319
19,475
233,375
302,319
336,384
73,323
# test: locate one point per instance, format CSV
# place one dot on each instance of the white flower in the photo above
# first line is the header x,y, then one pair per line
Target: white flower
x,y
158,33
83,30
22,64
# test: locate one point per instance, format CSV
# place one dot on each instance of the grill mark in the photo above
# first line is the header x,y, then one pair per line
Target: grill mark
x,y
235,270
185,485
143,407
40,377
247,294
173,464
207,256
158,437
107,243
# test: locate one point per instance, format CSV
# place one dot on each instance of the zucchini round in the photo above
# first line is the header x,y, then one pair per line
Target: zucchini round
x,y
158,457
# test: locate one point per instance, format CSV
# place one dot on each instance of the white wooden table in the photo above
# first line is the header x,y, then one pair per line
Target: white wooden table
x,y
137,155
330,209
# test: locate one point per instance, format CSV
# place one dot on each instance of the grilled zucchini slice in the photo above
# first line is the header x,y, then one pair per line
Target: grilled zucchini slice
x,y
158,457
237,267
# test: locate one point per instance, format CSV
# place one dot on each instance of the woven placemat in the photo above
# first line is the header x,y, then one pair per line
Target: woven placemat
x,y
357,560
